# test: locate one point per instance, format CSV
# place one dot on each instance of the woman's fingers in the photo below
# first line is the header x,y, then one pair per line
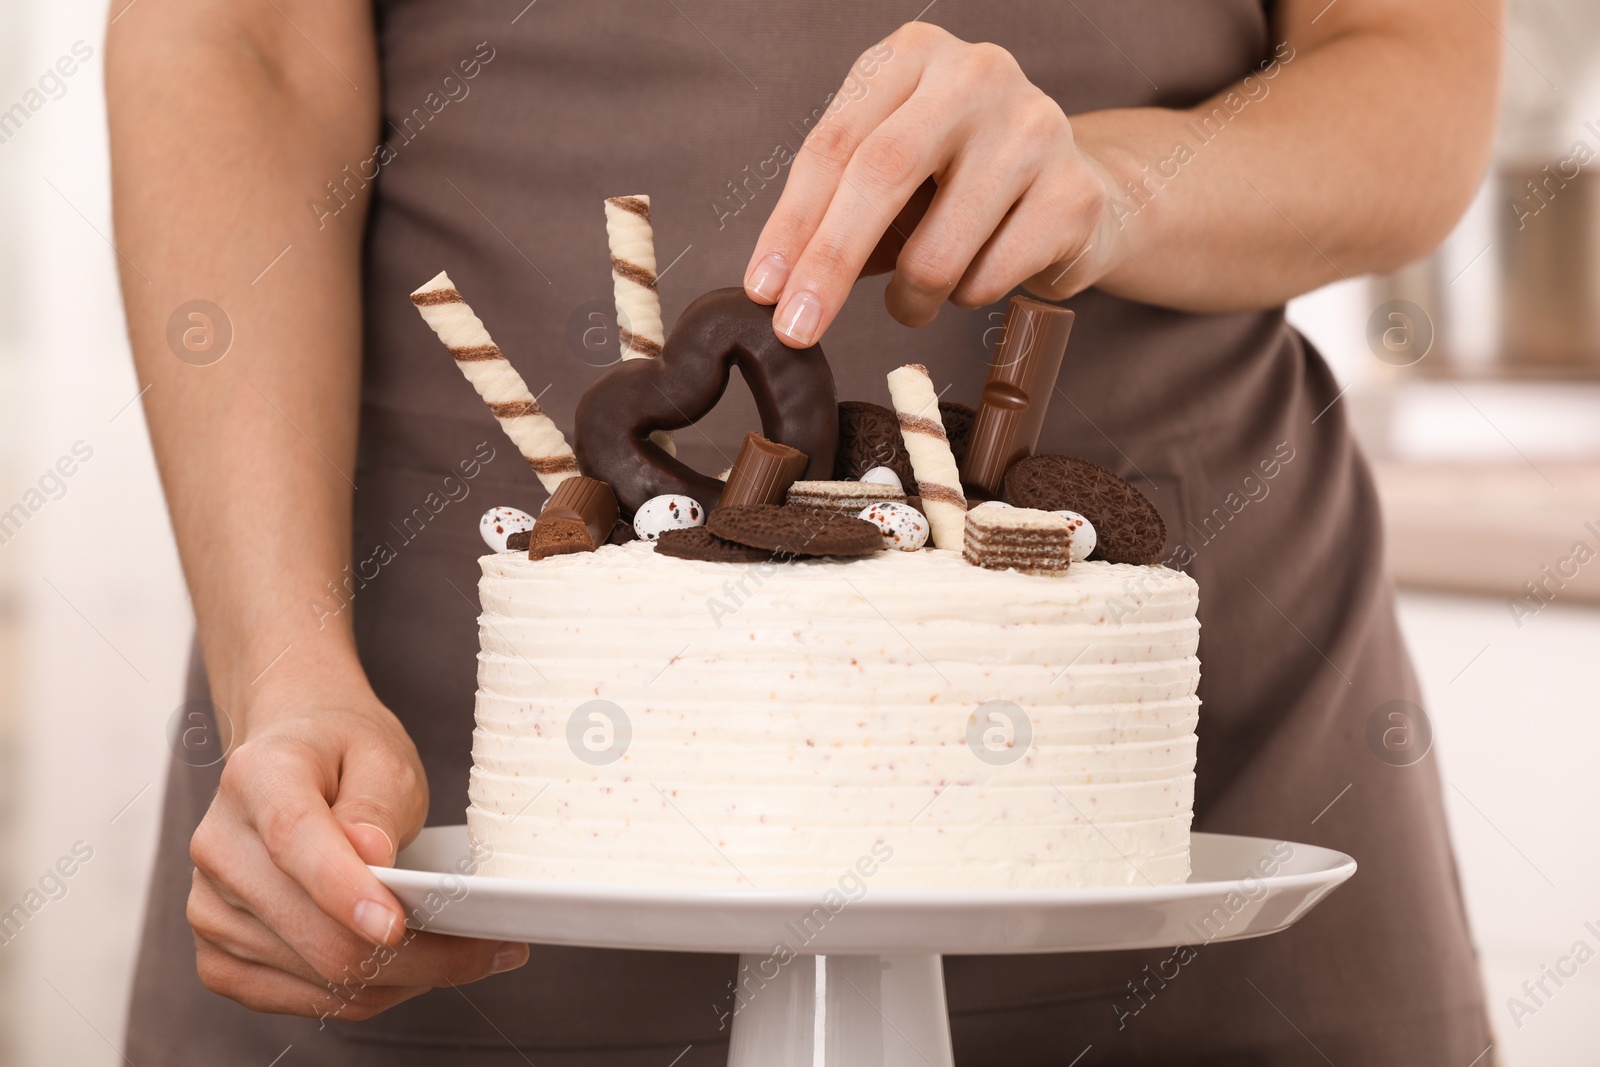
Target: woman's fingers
x,y
880,178
290,935
880,80
264,988
975,195
282,788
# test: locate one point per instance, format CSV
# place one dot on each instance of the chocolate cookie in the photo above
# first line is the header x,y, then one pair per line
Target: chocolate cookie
x,y
796,531
957,419
1129,527
696,542
869,436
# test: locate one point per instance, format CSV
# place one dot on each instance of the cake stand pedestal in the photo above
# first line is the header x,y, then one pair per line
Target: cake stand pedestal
x,y
855,982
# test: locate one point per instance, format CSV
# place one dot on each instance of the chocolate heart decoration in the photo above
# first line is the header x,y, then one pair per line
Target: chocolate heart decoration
x,y
793,391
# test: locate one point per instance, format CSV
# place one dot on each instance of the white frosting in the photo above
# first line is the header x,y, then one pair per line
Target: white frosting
x,y
782,718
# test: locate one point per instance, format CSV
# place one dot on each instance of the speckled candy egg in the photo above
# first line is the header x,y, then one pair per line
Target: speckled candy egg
x,y
670,511
498,524
883,476
1083,536
902,526
993,504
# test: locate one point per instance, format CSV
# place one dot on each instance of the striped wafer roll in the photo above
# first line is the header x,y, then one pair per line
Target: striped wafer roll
x,y
538,438
932,462
633,285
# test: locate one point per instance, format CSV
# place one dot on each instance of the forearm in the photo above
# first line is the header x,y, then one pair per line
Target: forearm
x,y
224,123
1354,151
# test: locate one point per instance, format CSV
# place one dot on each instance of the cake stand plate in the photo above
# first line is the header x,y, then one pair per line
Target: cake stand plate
x,y
858,981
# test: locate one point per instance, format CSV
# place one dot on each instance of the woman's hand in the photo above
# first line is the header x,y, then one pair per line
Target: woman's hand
x,y
1016,201
287,918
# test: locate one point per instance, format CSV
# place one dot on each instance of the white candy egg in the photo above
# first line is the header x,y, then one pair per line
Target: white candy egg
x,y
993,504
498,524
883,476
1083,536
902,526
670,511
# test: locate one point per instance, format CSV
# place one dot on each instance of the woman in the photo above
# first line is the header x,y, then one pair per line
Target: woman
x,y
1176,171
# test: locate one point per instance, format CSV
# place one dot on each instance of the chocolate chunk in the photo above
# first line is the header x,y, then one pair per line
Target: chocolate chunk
x,y
869,436
793,391
1129,528
518,541
957,419
1016,396
795,531
762,473
696,542
559,537
622,533
580,517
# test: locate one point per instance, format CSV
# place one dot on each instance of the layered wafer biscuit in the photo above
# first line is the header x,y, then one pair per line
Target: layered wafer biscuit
x,y
538,438
846,498
633,285
932,463
1037,542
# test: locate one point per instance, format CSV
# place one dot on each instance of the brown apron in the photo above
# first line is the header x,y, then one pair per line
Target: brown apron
x,y
498,178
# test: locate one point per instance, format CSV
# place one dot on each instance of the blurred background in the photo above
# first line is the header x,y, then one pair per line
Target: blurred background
x,y
1473,379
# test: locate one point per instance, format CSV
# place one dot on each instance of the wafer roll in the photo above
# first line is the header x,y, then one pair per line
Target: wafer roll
x,y
538,438
633,285
932,463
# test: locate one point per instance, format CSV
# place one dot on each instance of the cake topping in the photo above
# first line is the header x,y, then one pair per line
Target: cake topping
x,y
1024,539
497,381
696,542
1016,396
903,527
884,476
795,531
519,541
498,524
1083,536
667,512
793,391
957,419
763,472
633,286
847,498
1127,526
917,406
869,438
578,518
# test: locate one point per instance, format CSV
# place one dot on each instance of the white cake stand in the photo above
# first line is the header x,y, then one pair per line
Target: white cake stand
x,y
863,984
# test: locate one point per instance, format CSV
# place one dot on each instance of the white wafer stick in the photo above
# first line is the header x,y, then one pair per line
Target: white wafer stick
x,y
538,438
932,462
633,276
633,285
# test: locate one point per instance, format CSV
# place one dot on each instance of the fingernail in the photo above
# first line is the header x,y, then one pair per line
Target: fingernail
x,y
375,921
800,316
512,954
766,280
385,834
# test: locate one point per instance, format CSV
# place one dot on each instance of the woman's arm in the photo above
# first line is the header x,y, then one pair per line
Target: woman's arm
x,y
1354,150
227,118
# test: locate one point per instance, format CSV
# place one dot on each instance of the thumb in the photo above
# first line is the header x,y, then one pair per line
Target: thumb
x,y
381,803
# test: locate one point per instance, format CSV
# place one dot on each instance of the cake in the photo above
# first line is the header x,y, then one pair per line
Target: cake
x,y
788,680
650,720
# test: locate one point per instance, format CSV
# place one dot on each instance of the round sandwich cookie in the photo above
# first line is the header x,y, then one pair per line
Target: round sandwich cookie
x,y
1127,525
697,542
869,436
796,531
957,419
